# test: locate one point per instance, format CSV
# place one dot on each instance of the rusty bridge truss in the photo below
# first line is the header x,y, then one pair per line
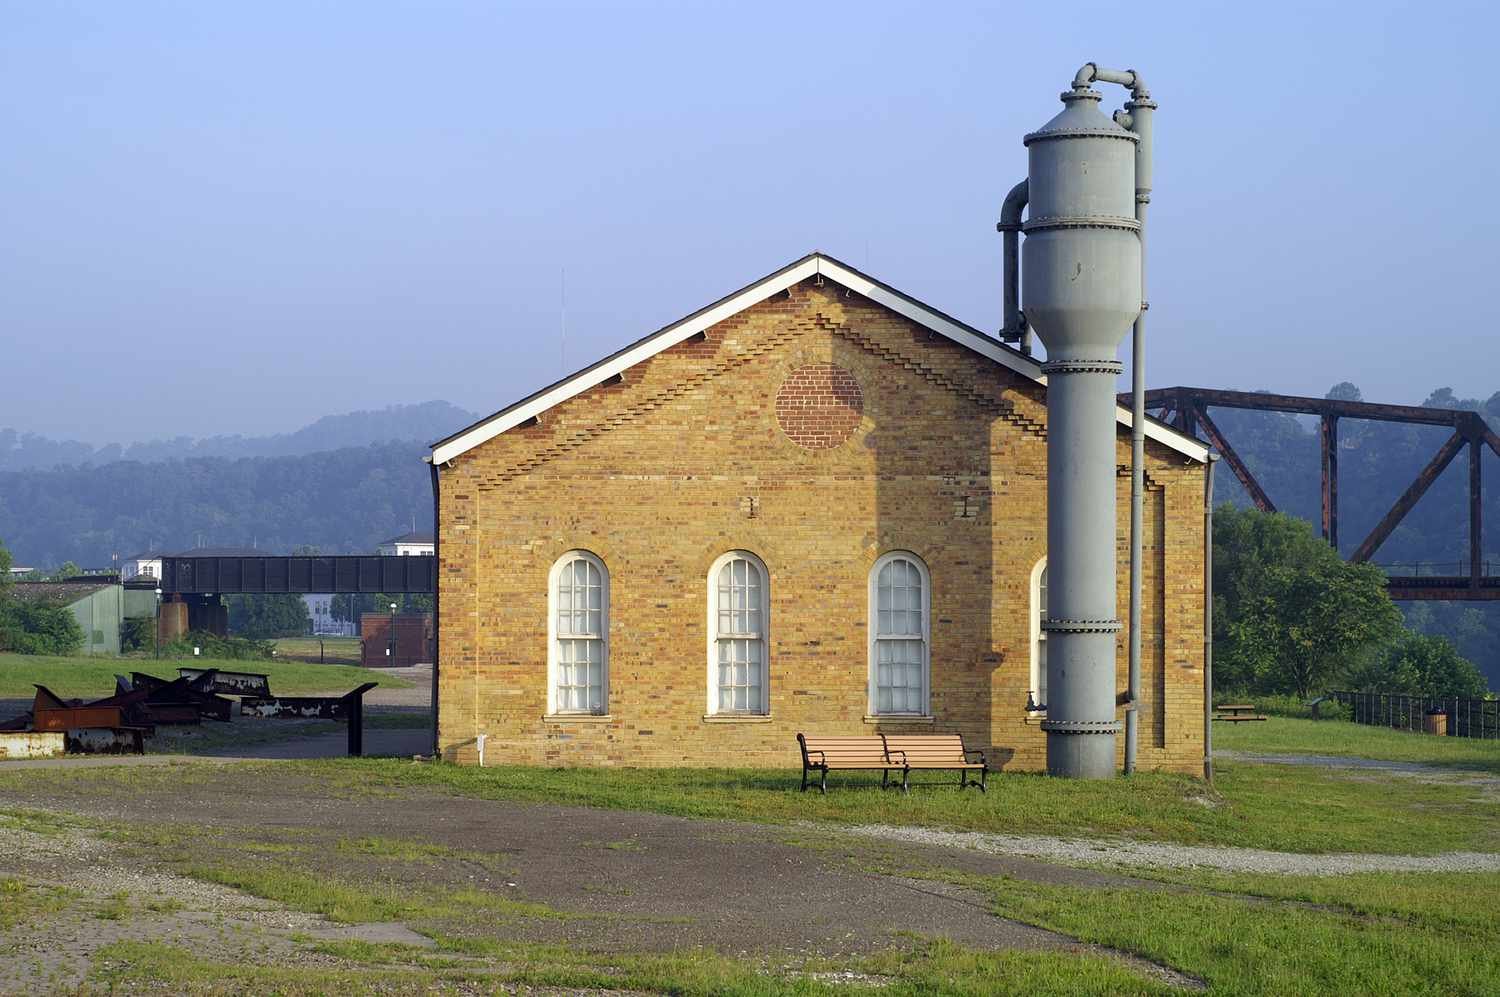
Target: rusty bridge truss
x,y
1187,409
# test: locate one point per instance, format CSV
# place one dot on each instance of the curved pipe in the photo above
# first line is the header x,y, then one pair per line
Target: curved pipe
x,y
1010,227
1091,71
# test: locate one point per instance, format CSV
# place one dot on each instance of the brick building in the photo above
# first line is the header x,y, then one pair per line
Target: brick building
x,y
817,505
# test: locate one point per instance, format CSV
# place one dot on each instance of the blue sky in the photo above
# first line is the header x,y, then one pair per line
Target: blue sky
x,y
237,217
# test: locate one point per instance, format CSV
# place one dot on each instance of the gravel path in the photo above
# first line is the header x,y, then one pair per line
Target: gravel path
x,y
1075,851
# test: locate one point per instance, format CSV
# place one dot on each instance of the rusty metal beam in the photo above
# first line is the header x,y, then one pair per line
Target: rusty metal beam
x,y
1476,515
1409,498
1328,437
1236,464
1311,406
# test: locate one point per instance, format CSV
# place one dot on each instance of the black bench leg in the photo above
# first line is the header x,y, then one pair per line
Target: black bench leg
x,y
804,778
983,773
885,778
824,787
963,779
905,772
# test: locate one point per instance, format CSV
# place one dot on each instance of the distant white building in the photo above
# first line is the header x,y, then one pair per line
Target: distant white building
x,y
408,544
136,565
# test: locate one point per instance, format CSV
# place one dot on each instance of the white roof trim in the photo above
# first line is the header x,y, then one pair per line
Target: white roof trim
x,y
446,450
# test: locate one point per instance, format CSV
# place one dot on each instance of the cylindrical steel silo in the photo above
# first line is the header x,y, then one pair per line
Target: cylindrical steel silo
x,y
1081,281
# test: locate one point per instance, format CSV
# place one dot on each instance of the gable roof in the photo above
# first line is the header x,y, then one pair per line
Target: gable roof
x,y
812,264
55,593
416,537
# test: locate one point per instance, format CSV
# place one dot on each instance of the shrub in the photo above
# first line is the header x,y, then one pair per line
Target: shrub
x,y
138,634
213,646
37,628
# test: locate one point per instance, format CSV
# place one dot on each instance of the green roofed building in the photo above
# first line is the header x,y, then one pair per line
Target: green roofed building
x,y
98,606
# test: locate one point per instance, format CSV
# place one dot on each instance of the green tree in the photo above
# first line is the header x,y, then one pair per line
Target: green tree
x,y
264,616
5,564
68,570
1289,614
1420,665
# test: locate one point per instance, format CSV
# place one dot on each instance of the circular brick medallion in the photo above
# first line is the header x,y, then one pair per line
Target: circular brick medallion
x,y
819,405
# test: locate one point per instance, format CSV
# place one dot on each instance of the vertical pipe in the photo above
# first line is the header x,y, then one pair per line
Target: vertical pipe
x,y
1014,325
1476,532
1208,620
1138,118
437,584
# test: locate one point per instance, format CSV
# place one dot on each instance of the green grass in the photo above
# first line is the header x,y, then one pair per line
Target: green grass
x,y
925,968
95,676
1250,805
1284,735
1390,934
333,650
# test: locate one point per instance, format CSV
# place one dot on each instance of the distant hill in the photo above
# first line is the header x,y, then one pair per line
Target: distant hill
x,y
341,501
420,423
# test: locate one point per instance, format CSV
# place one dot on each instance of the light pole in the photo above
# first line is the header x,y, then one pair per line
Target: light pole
x,y
391,650
156,638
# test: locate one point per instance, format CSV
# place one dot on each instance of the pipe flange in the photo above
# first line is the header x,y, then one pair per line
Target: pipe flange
x,y
1082,626
1065,133
1081,221
1081,726
1083,367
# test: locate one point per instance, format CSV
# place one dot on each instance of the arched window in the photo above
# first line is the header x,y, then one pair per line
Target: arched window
x,y
738,625
1038,635
900,601
578,637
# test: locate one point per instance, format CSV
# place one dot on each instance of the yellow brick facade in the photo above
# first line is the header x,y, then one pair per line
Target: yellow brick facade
x,y
684,459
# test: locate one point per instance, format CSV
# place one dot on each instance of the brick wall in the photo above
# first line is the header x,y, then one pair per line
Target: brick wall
x,y
819,431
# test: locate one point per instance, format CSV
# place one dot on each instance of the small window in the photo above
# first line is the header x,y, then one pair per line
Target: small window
x,y
900,636
578,662
1038,688
738,624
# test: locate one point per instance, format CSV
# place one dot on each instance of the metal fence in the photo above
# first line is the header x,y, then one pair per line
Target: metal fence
x,y
1466,717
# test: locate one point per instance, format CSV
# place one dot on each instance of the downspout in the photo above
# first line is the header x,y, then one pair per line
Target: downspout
x,y
1137,118
1208,620
437,618
1009,226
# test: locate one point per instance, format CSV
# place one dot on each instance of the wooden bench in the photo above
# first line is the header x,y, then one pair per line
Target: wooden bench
x,y
889,753
935,751
820,754
1237,713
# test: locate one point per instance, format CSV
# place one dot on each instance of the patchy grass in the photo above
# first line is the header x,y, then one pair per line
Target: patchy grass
x,y
922,968
1251,805
21,902
1288,736
94,677
1358,934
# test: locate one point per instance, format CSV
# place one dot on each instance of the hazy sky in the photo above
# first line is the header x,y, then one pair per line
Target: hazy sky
x,y
237,217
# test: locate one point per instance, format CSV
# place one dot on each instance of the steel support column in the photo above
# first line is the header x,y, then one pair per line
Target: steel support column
x,y
1476,531
1329,439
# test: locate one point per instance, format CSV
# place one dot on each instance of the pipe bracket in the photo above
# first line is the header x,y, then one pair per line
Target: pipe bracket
x,y
1081,726
1083,367
1082,626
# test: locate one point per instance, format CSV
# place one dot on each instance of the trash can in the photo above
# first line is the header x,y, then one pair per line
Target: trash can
x,y
1435,722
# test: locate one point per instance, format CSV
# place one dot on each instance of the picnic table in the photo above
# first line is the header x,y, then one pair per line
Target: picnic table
x,y
1237,713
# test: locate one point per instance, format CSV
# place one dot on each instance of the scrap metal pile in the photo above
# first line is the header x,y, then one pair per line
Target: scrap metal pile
x,y
119,724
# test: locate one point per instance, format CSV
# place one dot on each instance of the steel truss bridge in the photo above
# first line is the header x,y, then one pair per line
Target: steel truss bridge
x,y
298,574
1187,409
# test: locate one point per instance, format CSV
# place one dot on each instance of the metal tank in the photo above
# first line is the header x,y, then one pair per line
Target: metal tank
x,y
1081,291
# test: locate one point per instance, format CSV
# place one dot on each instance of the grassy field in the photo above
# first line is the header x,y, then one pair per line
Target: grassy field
x,y
325,650
95,676
1287,736
1371,933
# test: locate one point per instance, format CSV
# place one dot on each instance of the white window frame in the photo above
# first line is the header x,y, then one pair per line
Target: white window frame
x,y
1038,675
873,626
552,663
764,707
